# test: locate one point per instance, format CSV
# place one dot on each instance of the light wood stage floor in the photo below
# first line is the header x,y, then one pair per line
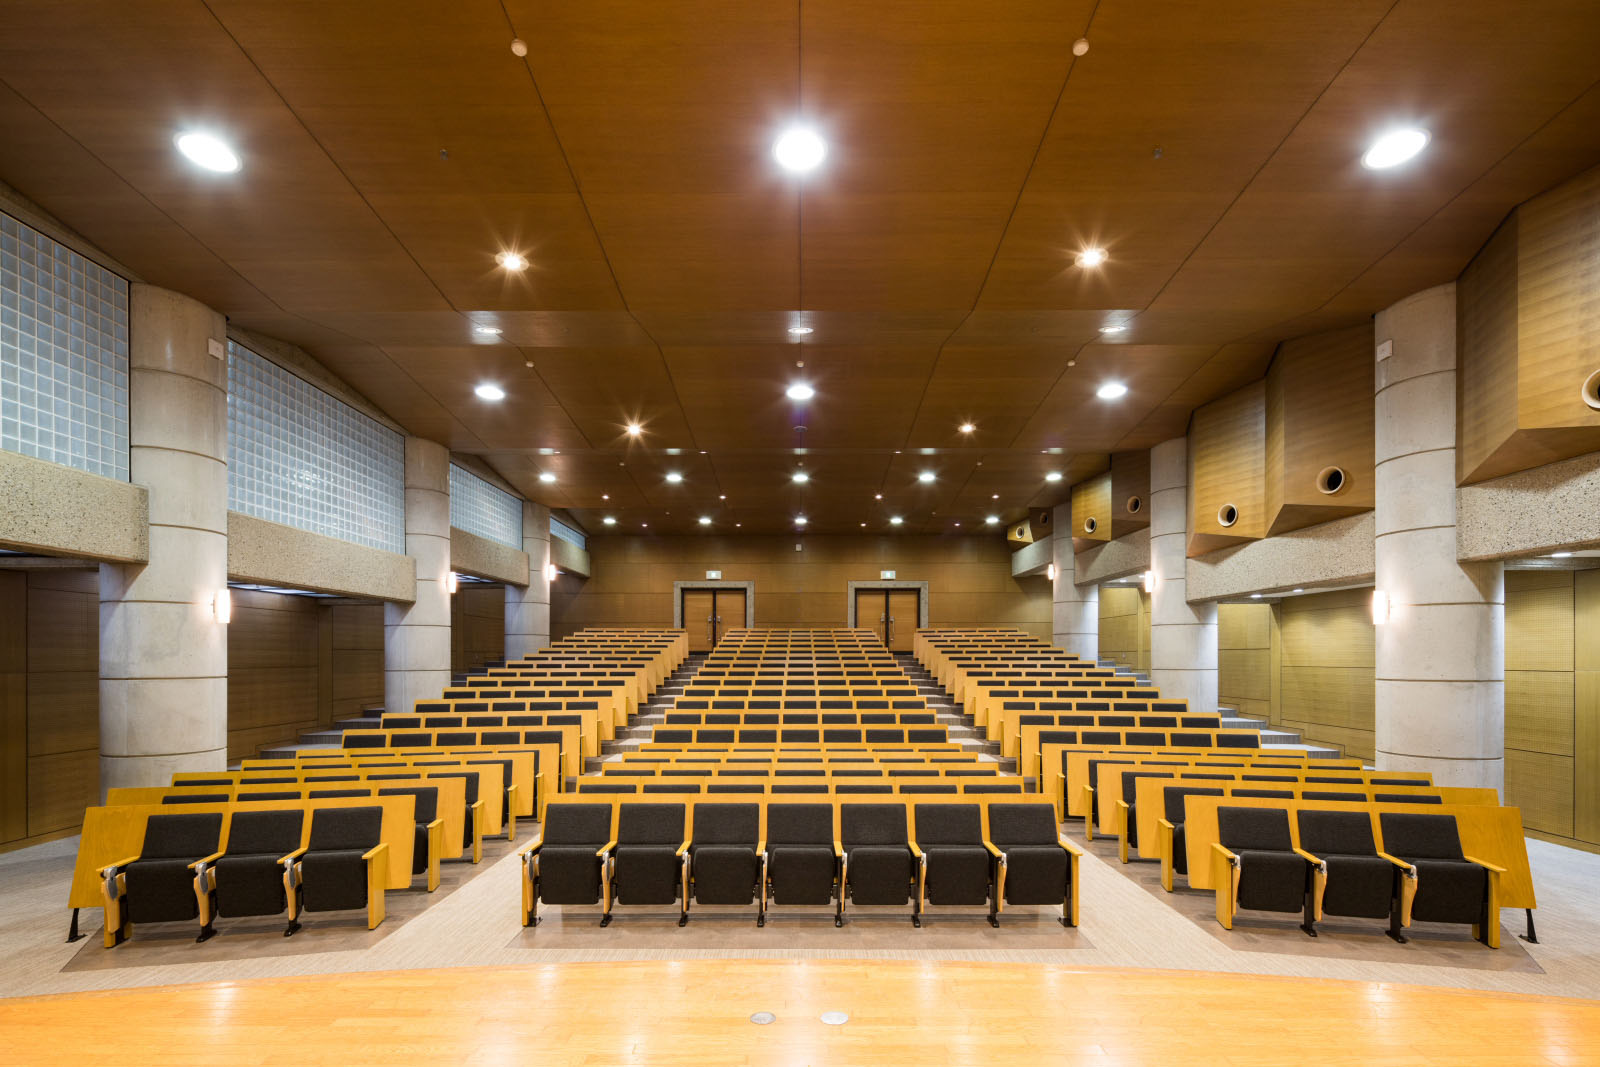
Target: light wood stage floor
x,y
699,1012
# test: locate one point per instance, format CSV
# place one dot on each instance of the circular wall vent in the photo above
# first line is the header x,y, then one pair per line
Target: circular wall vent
x,y
1591,391
1135,505
1090,525
1227,515
1330,480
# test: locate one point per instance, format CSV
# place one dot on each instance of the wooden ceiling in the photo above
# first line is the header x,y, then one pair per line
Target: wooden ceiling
x,y
390,150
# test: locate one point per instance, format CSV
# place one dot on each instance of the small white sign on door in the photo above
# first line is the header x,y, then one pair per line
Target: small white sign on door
x,y
713,576
887,576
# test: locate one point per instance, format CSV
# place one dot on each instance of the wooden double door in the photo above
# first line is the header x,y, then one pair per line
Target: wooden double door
x,y
892,614
708,614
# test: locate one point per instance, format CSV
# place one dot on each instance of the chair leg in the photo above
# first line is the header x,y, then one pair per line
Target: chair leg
x,y
761,907
1394,922
1309,925
838,915
73,935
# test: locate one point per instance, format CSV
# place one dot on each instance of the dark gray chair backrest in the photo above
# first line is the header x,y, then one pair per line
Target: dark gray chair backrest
x,y
1022,824
1256,829
577,824
271,832
949,824
195,798
872,824
179,836
427,799
651,824
1420,837
1336,833
1172,799
800,824
727,824
346,828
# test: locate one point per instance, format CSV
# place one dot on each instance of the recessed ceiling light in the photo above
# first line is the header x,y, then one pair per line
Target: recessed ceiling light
x,y
674,477
609,520
800,391
958,524
1113,328
895,520
491,330
1091,257
926,476
1053,476
489,391
512,261
705,520
799,149
605,496
966,427
208,151
737,525
1111,391
799,520
547,477
877,496
800,331
644,525
800,477
634,429
994,496
1394,148
992,520
723,496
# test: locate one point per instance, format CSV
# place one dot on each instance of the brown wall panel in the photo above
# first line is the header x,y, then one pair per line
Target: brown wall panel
x,y
1244,658
970,582
357,656
13,706
1325,669
1541,689
477,625
1125,626
1130,492
1227,465
1092,506
274,641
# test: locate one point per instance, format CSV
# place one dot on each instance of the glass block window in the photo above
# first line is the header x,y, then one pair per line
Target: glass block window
x,y
63,354
303,458
479,508
561,530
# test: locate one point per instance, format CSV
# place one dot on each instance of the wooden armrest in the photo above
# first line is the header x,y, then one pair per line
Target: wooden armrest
x,y
994,850
838,849
1218,848
205,859
113,866
1495,867
915,849
761,847
381,848
683,847
607,847
1069,846
1315,861
1165,824
533,846
1411,871
296,854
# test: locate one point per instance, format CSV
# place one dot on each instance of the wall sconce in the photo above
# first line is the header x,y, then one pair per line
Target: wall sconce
x,y
550,572
450,582
222,605
1380,607
1149,581
1050,571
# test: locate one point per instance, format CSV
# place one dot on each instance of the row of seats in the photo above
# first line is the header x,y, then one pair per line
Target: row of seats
x,y
828,735
828,786
873,854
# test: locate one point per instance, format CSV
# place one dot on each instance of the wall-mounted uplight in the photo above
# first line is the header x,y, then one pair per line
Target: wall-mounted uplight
x,y
1149,581
1050,571
551,573
451,582
1380,607
222,605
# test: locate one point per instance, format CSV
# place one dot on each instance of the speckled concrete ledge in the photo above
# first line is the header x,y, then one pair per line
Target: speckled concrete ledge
x,y
1126,555
1552,508
1032,559
569,557
50,508
471,554
273,554
1332,553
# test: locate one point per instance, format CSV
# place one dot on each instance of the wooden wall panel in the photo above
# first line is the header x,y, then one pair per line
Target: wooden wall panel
x,y
1125,626
1325,669
1227,465
1319,414
1541,689
49,702
970,582
1092,506
1244,658
1526,322
274,642
1130,492
357,652
477,626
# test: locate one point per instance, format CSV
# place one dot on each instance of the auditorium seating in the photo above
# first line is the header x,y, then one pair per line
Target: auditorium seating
x,y
341,867
162,882
725,853
878,861
251,877
955,866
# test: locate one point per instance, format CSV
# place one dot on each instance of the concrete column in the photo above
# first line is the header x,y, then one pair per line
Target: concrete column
x,y
528,610
1183,636
1440,658
1075,608
416,636
163,654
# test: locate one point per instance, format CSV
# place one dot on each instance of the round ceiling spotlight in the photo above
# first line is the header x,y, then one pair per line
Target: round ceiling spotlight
x,y
800,331
634,429
609,520
492,331
547,477
489,391
967,427
511,260
1115,327
895,520
674,477
1395,147
799,520
705,520
519,47
799,391
799,149
926,477
1091,257
1080,47
208,151
1053,476
991,520
1111,391
800,477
